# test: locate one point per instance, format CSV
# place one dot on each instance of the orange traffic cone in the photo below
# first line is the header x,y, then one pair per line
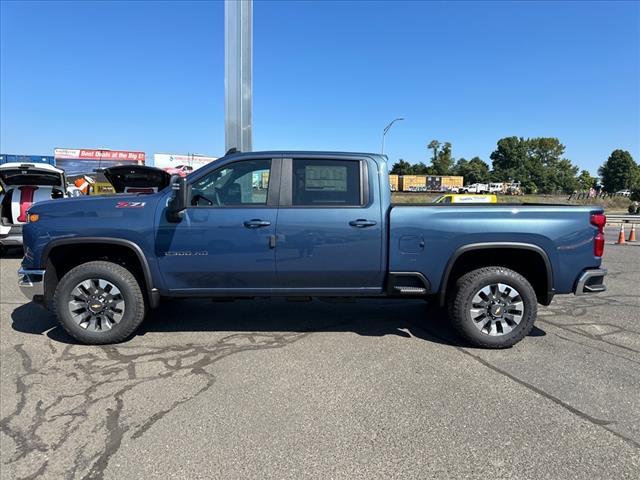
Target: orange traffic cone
x,y
632,233
621,240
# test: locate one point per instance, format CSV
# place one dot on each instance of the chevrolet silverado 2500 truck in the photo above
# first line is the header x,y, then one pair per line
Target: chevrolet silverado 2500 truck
x,y
304,224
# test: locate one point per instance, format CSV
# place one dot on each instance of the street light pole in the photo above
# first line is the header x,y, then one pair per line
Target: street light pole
x,y
386,129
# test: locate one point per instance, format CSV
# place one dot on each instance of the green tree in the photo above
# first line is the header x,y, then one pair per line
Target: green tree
x,y
586,181
420,169
473,171
620,171
509,159
537,163
401,168
435,146
564,179
442,160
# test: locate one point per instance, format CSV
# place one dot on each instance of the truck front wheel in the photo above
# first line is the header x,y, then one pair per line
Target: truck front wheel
x,y
99,302
493,307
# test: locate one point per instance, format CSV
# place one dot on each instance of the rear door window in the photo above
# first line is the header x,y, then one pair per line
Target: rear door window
x,y
333,183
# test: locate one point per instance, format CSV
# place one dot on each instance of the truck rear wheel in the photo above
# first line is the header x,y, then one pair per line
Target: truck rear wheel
x,y
99,303
493,307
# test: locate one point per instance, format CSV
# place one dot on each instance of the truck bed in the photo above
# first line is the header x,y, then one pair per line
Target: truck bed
x,y
426,238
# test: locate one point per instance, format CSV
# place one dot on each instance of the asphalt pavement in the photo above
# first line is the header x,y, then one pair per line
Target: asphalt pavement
x,y
364,389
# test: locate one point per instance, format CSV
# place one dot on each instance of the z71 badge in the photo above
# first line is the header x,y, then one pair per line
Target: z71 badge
x,y
130,204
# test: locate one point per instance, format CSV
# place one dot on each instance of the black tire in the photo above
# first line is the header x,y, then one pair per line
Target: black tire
x,y
461,303
123,279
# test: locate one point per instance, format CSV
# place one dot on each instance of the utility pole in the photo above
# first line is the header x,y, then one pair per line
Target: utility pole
x,y
238,64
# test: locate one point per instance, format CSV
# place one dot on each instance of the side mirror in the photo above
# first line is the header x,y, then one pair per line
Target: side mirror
x,y
179,199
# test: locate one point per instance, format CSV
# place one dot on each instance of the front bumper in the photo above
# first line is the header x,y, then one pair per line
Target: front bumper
x,y
13,237
591,281
31,283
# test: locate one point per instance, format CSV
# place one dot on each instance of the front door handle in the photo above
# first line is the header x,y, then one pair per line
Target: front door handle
x,y
362,223
256,223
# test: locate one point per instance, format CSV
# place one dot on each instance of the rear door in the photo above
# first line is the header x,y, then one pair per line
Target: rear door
x,y
329,230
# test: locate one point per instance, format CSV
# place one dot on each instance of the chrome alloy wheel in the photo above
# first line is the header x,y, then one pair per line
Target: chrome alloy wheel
x,y
96,305
497,309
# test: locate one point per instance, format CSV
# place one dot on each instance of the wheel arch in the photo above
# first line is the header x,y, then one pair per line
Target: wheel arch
x,y
478,255
133,249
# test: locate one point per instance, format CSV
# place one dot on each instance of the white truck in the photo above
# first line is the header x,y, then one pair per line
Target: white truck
x,y
497,187
475,188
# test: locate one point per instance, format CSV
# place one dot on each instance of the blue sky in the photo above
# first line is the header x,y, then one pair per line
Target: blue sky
x,y
149,76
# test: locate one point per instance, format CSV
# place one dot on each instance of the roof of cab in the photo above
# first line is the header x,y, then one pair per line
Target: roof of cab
x,y
302,153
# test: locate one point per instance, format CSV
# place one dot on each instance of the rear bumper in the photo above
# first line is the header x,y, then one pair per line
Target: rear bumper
x,y
591,281
31,283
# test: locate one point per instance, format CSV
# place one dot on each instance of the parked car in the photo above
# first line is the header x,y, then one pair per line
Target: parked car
x,y
182,170
21,186
624,193
325,226
136,178
468,198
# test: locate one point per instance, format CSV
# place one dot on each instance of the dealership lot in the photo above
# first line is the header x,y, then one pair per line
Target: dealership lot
x,y
366,389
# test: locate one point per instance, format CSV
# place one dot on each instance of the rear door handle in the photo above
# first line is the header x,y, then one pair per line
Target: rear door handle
x,y
362,223
256,223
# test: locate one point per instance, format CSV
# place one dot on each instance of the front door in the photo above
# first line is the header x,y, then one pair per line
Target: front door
x,y
225,242
329,232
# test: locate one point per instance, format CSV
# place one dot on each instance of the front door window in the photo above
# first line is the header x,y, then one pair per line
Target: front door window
x,y
243,183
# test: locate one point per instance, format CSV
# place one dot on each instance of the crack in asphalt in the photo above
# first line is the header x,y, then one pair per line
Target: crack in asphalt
x,y
571,340
576,307
89,421
593,420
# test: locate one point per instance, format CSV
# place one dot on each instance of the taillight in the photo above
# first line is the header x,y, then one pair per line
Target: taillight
x,y
598,220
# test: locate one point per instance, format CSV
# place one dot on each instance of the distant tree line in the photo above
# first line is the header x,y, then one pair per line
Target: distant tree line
x,y
537,163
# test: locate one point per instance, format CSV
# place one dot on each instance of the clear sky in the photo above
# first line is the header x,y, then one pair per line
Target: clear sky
x,y
150,76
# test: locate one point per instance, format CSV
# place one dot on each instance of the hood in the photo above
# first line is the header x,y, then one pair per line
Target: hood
x,y
136,178
97,206
14,175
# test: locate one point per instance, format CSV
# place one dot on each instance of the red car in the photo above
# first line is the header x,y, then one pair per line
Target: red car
x,y
182,170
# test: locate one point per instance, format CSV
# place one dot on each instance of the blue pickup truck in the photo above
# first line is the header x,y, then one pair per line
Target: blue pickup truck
x,y
304,224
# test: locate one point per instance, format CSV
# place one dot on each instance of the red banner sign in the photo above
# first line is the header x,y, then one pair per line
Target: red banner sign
x,y
97,154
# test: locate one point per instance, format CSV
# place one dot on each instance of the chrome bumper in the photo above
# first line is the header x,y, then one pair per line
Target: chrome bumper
x,y
11,240
11,237
591,281
31,283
